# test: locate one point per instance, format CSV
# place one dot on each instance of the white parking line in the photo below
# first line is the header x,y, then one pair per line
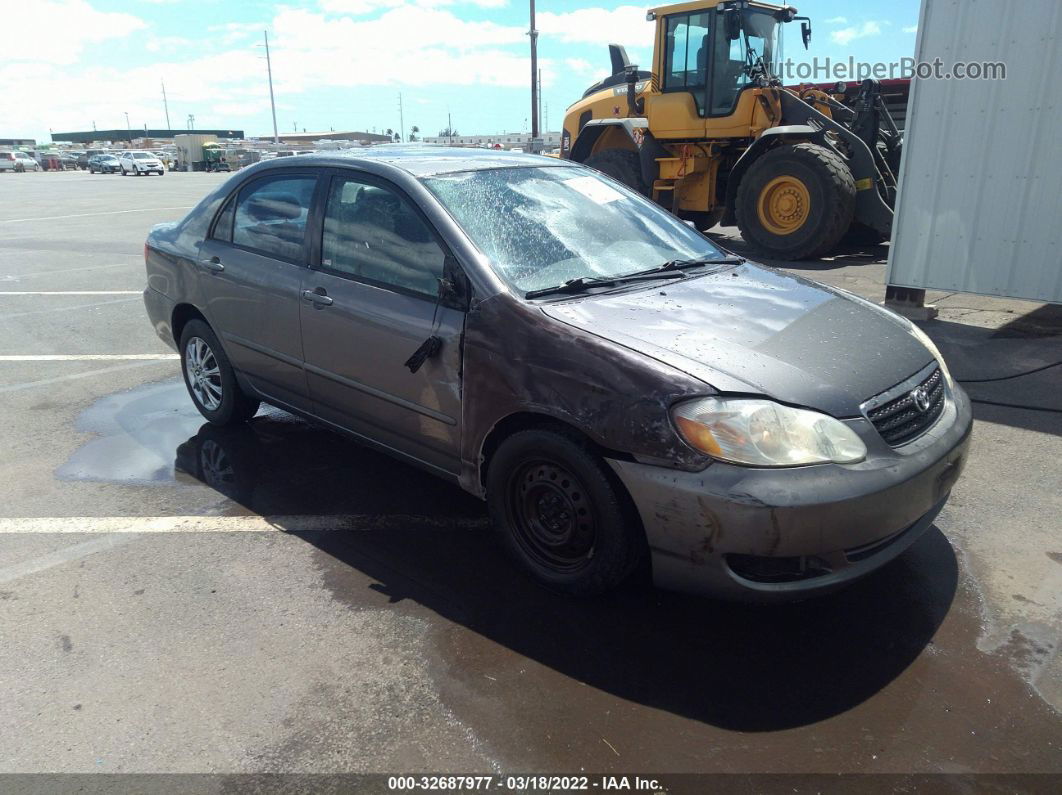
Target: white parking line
x,y
74,376
223,524
89,215
59,557
20,277
71,292
86,357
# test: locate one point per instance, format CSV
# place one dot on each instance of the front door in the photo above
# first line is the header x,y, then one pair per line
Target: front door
x,y
369,302
251,267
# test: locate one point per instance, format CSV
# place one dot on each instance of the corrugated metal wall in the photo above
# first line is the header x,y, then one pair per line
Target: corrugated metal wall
x,y
980,202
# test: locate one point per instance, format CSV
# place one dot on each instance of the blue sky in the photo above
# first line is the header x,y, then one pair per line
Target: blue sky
x,y
341,63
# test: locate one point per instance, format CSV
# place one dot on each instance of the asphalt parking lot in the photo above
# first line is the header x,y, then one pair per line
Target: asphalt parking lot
x,y
179,599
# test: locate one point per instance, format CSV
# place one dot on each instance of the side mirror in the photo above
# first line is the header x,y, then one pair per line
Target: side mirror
x,y
805,32
732,23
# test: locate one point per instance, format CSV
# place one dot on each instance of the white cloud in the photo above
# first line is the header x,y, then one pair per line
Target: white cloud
x,y
847,35
837,21
166,43
623,25
359,7
56,31
911,29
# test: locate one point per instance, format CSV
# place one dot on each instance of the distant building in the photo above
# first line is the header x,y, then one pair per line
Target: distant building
x,y
329,135
92,136
17,142
550,140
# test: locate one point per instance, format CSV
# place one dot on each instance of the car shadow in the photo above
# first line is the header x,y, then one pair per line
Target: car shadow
x,y
739,667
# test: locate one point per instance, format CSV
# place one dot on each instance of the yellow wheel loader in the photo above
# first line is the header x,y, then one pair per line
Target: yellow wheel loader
x,y
712,134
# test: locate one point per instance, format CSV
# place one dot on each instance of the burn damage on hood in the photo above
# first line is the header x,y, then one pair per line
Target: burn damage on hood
x,y
754,330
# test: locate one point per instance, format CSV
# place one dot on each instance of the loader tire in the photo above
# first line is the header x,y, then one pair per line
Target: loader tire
x,y
622,165
796,201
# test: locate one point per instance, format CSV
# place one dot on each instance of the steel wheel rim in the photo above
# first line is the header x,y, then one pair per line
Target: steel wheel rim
x,y
204,373
554,521
784,205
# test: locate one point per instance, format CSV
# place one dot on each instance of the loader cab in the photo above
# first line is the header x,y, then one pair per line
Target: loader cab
x,y
707,57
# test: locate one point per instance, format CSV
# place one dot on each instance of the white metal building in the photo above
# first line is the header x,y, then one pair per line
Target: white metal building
x,y
979,208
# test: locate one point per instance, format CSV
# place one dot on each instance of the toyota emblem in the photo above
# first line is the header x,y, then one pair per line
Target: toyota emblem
x,y
920,398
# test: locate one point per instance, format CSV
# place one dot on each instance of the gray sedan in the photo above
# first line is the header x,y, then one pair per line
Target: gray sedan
x,y
624,395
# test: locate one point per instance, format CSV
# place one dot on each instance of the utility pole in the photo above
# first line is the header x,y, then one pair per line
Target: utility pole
x,y
534,74
272,103
165,104
191,121
129,129
449,125
401,117
541,121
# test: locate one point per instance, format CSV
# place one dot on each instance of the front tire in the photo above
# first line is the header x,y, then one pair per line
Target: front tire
x,y
561,514
210,379
622,165
796,201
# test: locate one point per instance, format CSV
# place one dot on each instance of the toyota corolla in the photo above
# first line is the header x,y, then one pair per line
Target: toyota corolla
x,y
617,388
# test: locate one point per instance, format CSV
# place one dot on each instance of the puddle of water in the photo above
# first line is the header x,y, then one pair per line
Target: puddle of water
x,y
274,465
137,433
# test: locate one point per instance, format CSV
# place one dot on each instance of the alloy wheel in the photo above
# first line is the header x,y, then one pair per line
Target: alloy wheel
x,y
204,373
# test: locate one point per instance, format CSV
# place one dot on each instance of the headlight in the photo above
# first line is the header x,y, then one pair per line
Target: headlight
x,y
765,434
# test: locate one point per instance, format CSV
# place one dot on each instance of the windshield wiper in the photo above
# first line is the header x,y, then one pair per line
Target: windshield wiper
x,y
585,282
679,264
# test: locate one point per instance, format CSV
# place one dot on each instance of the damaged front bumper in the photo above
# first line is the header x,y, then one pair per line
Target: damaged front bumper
x,y
777,534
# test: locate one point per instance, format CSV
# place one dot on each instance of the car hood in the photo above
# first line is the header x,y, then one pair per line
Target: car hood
x,y
752,329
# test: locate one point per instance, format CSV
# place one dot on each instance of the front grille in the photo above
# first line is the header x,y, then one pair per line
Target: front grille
x,y
900,420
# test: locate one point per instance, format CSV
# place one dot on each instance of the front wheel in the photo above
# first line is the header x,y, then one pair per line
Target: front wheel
x,y
210,379
796,201
561,514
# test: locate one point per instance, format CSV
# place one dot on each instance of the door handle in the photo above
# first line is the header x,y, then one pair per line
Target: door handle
x,y
317,298
212,264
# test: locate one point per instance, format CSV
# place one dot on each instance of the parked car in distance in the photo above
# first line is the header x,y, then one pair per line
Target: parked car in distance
x,y
140,163
625,395
104,164
49,161
68,161
18,161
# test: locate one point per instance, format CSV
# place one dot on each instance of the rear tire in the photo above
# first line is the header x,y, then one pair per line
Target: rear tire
x,y
210,379
561,513
796,201
622,165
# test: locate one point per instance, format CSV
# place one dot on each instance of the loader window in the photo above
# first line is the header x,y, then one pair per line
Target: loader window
x,y
686,64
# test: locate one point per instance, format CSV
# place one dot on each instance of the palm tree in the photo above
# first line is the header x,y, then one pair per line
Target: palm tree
x,y
390,132
413,132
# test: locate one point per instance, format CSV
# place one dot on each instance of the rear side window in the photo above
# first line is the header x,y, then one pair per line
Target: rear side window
x,y
271,214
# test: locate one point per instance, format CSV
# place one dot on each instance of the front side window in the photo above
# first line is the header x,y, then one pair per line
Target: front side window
x,y
271,215
686,66
371,233
541,227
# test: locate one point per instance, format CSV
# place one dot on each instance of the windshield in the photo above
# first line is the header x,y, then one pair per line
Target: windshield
x,y
541,227
761,34
143,156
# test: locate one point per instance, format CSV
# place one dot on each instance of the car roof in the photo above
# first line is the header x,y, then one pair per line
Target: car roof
x,y
423,160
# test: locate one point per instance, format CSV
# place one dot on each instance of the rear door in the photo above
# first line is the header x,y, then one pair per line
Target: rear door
x,y
251,269
370,301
